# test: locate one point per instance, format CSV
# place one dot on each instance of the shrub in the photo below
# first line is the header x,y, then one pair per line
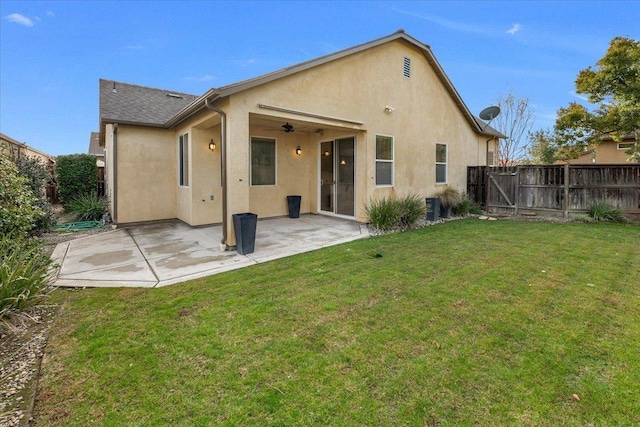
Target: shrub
x,y
412,208
383,213
38,177
25,274
19,212
602,210
466,207
77,175
88,207
388,213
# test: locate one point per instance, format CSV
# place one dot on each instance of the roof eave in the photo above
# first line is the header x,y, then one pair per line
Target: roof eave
x,y
195,106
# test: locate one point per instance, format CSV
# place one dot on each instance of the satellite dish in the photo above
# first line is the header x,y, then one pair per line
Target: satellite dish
x,y
490,113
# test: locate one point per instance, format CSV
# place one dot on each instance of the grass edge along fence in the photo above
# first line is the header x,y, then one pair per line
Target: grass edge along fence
x,y
554,190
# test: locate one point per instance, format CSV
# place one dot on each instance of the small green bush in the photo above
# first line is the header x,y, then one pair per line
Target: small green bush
x,y
25,274
77,175
603,211
383,213
19,212
466,207
38,177
89,207
388,213
412,208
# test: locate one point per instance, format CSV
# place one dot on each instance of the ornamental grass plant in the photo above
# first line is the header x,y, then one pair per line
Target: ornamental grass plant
x,y
25,275
88,207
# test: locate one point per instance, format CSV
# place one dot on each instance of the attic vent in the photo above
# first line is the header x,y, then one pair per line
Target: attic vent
x,y
407,67
174,95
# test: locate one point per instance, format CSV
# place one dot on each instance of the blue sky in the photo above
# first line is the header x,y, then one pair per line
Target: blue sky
x,y
53,53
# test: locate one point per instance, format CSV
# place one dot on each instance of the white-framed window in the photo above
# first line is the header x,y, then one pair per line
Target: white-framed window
x,y
625,145
406,67
384,161
183,155
441,163
263,161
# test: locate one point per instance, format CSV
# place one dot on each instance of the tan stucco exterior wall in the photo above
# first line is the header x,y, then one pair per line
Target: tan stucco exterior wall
x,y
355,88
605,153
146,173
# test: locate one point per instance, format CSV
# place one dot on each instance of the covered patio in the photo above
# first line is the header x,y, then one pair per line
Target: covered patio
x,y
166,253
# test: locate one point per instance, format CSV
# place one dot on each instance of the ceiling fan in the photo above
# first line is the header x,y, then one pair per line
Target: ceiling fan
x,y
287,128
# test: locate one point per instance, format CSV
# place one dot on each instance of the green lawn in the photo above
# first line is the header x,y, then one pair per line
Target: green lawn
x,y
464,323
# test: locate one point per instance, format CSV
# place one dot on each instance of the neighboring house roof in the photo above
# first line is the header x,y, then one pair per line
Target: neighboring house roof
x,y
132,104
94,145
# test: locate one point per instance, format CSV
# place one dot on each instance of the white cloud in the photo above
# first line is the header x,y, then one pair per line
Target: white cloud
x,y
582,97
50,13
205,78
19,19
452,25
516,27
135,47
247,62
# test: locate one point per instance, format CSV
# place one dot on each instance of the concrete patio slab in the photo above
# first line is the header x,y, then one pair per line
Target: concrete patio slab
x,y
172,252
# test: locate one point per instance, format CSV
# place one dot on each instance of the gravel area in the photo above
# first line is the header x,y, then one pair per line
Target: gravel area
x,y
22,345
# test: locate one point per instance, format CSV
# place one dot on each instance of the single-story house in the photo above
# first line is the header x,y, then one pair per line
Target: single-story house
x,y
16,149
609,151
374,120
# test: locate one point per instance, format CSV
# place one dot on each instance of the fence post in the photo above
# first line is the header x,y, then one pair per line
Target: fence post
x,y
516,202
566,191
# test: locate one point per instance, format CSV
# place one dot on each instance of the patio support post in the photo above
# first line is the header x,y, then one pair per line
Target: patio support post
x,y
223,169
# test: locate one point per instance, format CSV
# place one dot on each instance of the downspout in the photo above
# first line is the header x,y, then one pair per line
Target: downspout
x,y
223,170
114,214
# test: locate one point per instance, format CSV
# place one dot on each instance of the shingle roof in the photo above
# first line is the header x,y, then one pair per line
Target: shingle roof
x,y
142,105
127,103
488,130
94,144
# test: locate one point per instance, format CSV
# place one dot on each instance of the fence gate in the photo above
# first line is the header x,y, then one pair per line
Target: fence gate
x,y
502,190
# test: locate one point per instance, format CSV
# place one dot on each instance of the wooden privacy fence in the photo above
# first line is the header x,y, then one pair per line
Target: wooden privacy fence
x,y
555,190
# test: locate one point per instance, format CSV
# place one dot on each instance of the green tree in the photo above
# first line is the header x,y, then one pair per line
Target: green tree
x,y
542,148
77,176
614,87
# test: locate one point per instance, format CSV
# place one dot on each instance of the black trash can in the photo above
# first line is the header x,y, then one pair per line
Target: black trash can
x,y
433,208
244,225
294,206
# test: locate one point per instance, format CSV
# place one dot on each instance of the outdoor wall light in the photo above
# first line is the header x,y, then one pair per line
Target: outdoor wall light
x,y
298,150
212,145
389,109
